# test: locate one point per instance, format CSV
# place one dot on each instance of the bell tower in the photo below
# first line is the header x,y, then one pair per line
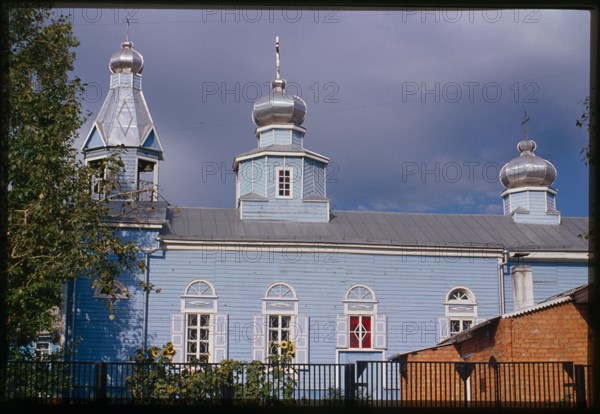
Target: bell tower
x,y
124,128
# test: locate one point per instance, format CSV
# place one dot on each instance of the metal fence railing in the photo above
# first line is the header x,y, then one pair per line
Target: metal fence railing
x,y
371,383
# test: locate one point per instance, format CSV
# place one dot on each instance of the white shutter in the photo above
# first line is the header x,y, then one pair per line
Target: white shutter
x,y
443,328
300,338
220,336
259,337
177,336
341,331
380,332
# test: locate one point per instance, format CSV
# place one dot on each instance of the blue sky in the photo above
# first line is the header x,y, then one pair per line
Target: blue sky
x,y
417,110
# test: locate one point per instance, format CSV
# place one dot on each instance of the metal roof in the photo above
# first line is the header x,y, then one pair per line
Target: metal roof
x,y
381,228
137,212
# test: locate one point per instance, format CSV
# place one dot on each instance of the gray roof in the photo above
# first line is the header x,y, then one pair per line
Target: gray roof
x,y
379,228
137,212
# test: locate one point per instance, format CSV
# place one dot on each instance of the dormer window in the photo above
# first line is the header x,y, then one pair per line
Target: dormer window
x,y
284,182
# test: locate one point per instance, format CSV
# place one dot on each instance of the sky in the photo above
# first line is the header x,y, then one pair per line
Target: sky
x,y
417,110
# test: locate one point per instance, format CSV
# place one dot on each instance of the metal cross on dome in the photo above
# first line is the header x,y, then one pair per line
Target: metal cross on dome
x,y
524,123
277,57
127,30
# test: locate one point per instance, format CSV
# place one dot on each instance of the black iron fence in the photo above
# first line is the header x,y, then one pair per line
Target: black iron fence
x,y
427,384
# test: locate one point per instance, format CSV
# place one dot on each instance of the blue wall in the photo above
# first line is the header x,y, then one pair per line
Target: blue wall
x,y
91,333
410,290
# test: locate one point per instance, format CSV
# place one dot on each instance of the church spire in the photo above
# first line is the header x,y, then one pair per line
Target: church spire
x,y
529,197
278,108
124,125
281,180
277,74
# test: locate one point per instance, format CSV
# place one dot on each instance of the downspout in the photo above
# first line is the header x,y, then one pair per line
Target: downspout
x,y
72,336
502,261
147,253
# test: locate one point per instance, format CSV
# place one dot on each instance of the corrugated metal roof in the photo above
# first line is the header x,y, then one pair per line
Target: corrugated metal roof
x,y
381,228
546,304
559,298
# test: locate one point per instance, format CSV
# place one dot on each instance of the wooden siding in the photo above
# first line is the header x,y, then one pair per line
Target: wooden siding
x,y
266,138
293,209
298,138
283,137
252,176
95,337
535,203
549,279
289,210
410,291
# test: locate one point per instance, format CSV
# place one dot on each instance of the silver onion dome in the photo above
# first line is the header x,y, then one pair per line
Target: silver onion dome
x,y
279,107
527,169
126,60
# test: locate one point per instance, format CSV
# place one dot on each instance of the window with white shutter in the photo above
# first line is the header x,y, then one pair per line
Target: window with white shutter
x,y
361,327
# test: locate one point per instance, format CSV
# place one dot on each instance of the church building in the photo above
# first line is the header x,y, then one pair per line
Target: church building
x,y
282,267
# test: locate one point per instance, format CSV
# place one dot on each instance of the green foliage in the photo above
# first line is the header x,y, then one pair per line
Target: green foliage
x,y
56,230
584,121
156,379
36,376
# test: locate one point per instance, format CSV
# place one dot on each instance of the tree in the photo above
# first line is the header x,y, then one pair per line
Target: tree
x,y
584,121
56,230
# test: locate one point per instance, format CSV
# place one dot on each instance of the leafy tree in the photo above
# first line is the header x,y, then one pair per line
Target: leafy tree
x,y
584,121
56,230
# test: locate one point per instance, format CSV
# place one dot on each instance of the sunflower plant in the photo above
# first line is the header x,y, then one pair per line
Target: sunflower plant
x,y
283,372
152,377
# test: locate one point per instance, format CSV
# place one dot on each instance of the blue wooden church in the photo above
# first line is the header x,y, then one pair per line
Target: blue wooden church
x,y
280,265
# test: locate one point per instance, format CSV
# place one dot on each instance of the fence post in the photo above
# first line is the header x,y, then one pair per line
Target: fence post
x,y
101,382
349,384
580,386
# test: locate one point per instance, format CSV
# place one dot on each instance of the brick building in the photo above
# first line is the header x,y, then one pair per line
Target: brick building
x,y
528,354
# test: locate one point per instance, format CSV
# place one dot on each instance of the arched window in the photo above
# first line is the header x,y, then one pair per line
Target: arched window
x,y
361,327
200,289
199,308
280,304
460,311
279,326
120,291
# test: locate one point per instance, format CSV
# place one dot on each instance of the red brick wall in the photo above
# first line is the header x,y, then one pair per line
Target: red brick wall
x,y
556,334
559,333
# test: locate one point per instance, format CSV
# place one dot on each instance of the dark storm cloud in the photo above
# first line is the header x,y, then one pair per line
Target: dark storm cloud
x,y
417,111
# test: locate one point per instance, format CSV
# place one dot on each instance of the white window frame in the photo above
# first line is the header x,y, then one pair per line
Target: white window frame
x,y
280,300
352,333
279,330
360,301
199,298
198,340
122,292
290,170
453,311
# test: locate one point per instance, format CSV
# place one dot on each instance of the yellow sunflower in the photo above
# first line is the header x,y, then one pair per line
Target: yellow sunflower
x,y
283,344
291,349
154,352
